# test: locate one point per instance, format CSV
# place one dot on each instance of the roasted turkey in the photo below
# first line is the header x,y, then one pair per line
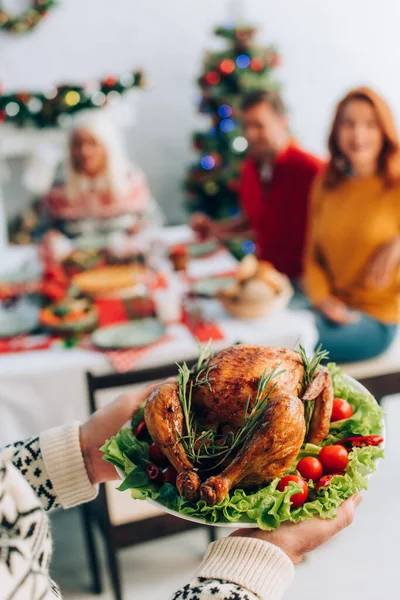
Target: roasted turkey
x,y
223,394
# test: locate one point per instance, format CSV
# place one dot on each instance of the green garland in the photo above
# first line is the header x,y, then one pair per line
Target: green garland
x,y
28,19
54,108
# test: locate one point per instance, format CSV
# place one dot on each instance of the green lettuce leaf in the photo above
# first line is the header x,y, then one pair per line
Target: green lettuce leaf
x,y
266,507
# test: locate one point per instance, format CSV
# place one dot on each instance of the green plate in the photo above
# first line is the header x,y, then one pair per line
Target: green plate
x,y
134,334
201,250
210,287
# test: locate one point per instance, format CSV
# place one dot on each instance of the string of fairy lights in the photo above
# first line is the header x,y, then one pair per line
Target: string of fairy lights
x,y
56,106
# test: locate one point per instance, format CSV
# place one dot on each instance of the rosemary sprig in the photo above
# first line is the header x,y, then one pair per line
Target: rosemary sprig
x,y
203,445
312,363
308,413
202,368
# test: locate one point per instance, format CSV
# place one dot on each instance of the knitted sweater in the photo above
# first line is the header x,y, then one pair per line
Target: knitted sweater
x,y
48,471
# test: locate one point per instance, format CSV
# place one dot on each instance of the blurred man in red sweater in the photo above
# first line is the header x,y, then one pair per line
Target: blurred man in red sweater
x,y
275,187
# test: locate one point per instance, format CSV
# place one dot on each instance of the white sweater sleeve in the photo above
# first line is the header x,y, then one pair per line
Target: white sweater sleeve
x,y
238,568
54,467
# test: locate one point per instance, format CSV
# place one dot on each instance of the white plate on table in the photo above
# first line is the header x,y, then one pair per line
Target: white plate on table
x,y
242,525
134,334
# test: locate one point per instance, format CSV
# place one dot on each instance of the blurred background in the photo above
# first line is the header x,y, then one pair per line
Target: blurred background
x,y
326,48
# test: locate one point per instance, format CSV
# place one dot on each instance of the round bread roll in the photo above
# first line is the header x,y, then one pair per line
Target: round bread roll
x,y
267,273
247,268
256,290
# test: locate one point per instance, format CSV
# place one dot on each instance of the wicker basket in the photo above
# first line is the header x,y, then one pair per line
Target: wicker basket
x,y
244,309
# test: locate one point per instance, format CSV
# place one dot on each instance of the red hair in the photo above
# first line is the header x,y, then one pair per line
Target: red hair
x,y
389,159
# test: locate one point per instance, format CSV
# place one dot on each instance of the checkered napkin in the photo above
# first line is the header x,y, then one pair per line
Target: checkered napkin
x,y
26,343
125,360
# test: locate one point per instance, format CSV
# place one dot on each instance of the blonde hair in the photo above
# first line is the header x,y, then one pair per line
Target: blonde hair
x,y
115,178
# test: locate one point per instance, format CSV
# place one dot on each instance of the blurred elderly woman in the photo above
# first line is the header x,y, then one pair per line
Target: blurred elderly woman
x,y
103,190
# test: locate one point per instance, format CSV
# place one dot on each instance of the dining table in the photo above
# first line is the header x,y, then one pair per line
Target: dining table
x,y
40,389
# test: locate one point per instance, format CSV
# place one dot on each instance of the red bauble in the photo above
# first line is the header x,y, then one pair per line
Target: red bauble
x,y
212,78
217,157
3,116
257,64
110,81
227,66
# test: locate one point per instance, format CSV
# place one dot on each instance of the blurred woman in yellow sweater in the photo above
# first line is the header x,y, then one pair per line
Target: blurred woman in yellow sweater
x,y
353,257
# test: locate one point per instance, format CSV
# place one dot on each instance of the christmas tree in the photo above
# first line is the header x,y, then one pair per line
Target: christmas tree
x,y
212,183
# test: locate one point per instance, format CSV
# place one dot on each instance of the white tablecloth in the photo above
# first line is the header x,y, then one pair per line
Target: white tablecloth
x,y
43,389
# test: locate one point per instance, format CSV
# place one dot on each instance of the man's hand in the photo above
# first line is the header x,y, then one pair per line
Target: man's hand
x,y
203,226
298,539
380,269
103,424
336,311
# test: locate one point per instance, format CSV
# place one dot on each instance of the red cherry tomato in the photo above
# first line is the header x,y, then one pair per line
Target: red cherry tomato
x,y
299,498
341,410
310,468
157,457
334,458
169,475
325,480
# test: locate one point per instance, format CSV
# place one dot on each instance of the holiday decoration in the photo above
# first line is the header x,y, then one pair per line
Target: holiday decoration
x,y
212,183
55,107
28,19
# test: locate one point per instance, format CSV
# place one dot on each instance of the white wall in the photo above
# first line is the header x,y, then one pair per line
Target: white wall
x,y
327,45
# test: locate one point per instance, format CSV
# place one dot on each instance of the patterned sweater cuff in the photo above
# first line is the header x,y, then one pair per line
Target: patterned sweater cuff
x,y
258,566
62,456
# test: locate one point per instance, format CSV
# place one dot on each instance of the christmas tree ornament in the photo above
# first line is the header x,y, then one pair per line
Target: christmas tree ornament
x,y
240,144
217,158
211,188
227,66
212,78
227,125
257,64
207,163
224,111
243,61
